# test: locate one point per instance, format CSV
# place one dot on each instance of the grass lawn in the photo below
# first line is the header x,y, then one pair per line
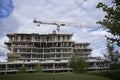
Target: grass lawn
x,y
51,76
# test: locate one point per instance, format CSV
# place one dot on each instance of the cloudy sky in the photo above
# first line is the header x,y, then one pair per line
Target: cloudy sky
x,y
18,15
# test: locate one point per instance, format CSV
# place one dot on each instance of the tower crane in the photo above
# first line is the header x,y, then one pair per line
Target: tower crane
x,y
61,24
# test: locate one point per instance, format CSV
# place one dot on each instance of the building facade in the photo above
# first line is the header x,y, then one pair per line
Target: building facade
x,y
52,51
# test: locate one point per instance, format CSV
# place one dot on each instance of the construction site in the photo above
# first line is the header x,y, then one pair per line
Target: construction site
x,y
53,51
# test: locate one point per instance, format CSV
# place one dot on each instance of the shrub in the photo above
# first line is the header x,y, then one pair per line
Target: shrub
x,y
22,69
78,64
115,74
115,66
38,67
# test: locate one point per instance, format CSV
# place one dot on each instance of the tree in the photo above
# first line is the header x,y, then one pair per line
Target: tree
x,y
78,64
22,69
111,20
113,56
38,67
110,51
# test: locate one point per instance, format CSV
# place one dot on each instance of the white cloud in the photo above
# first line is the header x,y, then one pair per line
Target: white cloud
x,y
3,49
103,33
76,11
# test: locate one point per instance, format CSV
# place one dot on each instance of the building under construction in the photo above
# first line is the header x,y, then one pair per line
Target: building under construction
x,y
53,51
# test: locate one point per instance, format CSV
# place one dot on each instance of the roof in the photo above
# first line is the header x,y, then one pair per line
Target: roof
x,y
12,34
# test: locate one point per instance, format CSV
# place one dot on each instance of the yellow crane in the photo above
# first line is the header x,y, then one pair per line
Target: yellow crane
x,y
61,24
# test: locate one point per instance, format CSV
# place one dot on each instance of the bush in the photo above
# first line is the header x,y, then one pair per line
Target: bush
x,y
115,74
115,66
22,69
38,67
78,64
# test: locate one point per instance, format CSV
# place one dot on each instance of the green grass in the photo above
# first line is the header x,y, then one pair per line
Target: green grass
x,y
51,76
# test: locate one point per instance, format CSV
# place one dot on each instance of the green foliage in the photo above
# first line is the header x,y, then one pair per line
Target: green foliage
x,y
115,74
38,67
22,69
111,20
115,66
78,64
113,55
